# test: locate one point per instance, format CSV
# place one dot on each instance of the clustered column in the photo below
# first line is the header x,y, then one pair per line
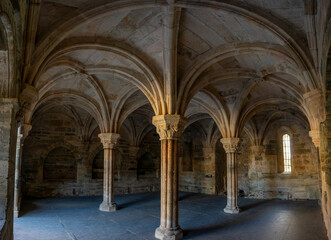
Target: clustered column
x,y
109,140
231,146
170,128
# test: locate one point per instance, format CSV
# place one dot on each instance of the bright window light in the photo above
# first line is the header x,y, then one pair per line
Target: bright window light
x,y
287,153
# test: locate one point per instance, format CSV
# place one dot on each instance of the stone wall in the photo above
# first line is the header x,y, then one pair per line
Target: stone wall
x,y
243,166
265,174
325,159
220,168
197,171
8,133
325,152
58,162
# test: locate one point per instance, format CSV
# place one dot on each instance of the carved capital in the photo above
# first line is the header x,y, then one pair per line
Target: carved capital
x,y
257,150
169,126
109,140
315,136
230,145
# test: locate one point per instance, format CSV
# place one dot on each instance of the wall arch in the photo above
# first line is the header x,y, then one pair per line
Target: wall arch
x,y
60,165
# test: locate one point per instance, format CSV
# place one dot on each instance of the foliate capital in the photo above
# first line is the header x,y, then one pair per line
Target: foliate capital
x,y
230,145
169,126
109,140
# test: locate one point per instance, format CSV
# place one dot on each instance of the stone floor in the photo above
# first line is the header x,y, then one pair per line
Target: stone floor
x,y
201,217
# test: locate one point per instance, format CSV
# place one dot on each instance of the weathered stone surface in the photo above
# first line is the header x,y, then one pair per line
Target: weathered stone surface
x,y
265,179
8,130
212,69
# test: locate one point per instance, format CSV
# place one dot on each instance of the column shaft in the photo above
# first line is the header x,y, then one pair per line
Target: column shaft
x,y
109,140
108,176
18,162
169,128
231,145
232,184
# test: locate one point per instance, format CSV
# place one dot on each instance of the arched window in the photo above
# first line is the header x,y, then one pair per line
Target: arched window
x,y
287,153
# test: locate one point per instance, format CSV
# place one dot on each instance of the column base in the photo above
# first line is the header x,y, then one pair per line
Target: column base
x,y
106,207
169,233
232,210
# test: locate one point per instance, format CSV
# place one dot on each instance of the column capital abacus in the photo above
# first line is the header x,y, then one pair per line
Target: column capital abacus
x,y
230,145
109,140
169,127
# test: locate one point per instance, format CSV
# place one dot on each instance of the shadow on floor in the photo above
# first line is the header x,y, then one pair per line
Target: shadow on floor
x,y
143,199
201,216
28,206
229,221
255,204
184,196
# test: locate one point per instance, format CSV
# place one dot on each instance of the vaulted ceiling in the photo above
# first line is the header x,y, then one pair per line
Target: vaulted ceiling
x,y
241,63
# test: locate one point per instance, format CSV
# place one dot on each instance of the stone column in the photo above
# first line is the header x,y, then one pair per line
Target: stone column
x,y
170,128
18,160
231,146
25,129
8,132
109,140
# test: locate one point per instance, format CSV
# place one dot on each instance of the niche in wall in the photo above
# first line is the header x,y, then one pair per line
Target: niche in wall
x,y
60,164
146,166
97,170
